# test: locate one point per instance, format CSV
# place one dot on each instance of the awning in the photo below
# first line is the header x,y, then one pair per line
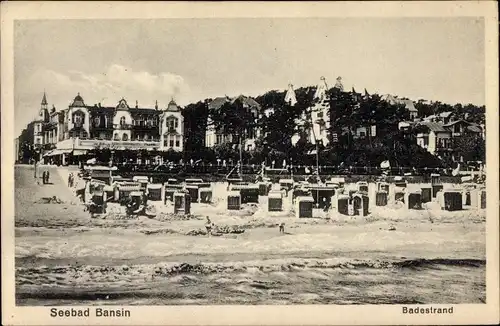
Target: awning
x,y
78,152
56,152
48,154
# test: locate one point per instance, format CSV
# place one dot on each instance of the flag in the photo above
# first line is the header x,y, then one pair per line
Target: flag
x,y
307,170
456,171
385,165
92,161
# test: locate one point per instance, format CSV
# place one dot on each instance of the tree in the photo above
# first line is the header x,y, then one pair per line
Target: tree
x,y
195,123
470,147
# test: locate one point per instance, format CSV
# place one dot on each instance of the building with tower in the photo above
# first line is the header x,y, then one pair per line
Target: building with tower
x,y
81,131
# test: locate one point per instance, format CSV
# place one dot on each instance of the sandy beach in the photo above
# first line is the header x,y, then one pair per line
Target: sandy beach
x,y
393,255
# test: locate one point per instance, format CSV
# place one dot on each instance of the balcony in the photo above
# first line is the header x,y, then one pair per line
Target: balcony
x,y
102,126
145,126
124,126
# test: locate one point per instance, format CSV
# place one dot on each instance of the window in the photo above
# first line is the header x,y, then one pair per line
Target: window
x,y
172,123
177,143
145,137
78,119
38,141
362,134
97,121
457,128
137,137
122,121
116,137
320,115
171,143
251,133
218,139
249,148
125,137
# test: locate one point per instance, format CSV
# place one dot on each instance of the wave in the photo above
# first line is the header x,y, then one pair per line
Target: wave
x,y
266,266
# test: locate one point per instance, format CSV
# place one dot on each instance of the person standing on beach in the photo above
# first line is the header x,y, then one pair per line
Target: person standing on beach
x,y
208,226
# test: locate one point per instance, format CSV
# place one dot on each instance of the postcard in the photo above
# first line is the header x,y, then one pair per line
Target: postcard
x,y
250,163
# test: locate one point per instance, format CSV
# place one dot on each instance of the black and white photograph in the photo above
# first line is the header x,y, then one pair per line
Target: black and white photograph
x,y
251,161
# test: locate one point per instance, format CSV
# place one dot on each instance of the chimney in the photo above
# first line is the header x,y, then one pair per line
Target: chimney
x,y
99,104
136,104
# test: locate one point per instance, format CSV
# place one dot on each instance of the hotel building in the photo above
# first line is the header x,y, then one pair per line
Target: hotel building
x,y
67,136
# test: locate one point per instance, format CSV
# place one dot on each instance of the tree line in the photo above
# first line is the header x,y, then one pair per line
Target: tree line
x,y
348,111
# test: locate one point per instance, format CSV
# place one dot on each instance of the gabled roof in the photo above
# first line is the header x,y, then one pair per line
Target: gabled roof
x,y
290,97
391,99
409,105
248,101
218,102
434,126
321,89
122,105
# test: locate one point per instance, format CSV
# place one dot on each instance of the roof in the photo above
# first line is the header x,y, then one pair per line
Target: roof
x,y
101,109
172,107
455,122
44,99
445,114
409,105
434,126
122,105
391,99
473,128
218,102
78,101
136,111
248,101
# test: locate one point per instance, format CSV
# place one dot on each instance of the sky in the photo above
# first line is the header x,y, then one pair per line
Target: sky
x,y
192,59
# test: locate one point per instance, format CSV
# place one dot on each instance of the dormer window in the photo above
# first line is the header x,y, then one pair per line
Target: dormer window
x,y
97,121
122,121
125,137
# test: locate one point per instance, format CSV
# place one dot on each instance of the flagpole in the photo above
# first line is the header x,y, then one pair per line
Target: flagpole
x,y
317,158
